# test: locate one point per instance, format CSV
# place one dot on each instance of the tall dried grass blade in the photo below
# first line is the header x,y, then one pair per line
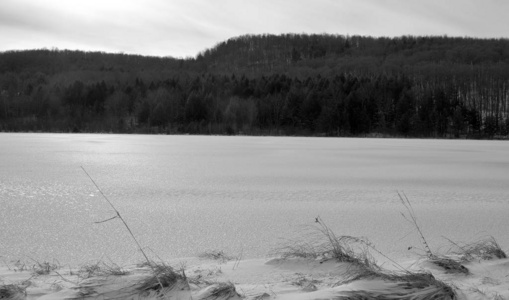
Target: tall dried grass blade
x,y
408,206
125,224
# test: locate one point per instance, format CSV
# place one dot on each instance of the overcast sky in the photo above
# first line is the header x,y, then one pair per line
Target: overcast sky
x,y
182,28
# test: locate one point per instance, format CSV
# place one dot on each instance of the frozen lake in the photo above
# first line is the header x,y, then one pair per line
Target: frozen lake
x,y
182,195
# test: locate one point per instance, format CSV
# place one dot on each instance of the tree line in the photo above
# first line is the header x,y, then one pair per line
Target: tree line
x,y
324,85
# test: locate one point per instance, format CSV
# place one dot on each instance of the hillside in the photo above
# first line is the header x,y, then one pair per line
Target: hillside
x,y
291,52
292,84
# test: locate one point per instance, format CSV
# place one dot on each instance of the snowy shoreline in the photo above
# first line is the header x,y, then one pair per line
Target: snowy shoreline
x,y
295,278
320,266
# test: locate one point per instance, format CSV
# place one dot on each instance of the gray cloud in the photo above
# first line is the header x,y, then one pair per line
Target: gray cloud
x,y
185,27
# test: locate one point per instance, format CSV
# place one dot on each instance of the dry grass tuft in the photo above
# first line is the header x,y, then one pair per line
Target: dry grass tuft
x,y
448,264
161,282
219,255
403,285
402,291
221,290
484,249
44,268
414,279
101,269
164,276
412,219
298,249
157,281
322,243
37,267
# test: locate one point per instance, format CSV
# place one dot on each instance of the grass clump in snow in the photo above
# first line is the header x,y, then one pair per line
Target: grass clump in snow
x,y
484,249
101,269
160,271
402,284
219,255
155,281
37,267
44,268
426,293
450,265
324,244
163,277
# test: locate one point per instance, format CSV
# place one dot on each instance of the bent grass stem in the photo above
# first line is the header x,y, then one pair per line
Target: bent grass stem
x,y
125,224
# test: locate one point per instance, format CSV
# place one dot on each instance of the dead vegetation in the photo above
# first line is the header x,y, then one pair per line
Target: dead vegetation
x,y
157,281
483,249
35,266
323,244
218,255
403,292
101,269
320,242
163,277
448,264
44,268
221,290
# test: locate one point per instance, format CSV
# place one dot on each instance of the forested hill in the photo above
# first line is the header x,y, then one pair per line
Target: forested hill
x,y
293,84
329,53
